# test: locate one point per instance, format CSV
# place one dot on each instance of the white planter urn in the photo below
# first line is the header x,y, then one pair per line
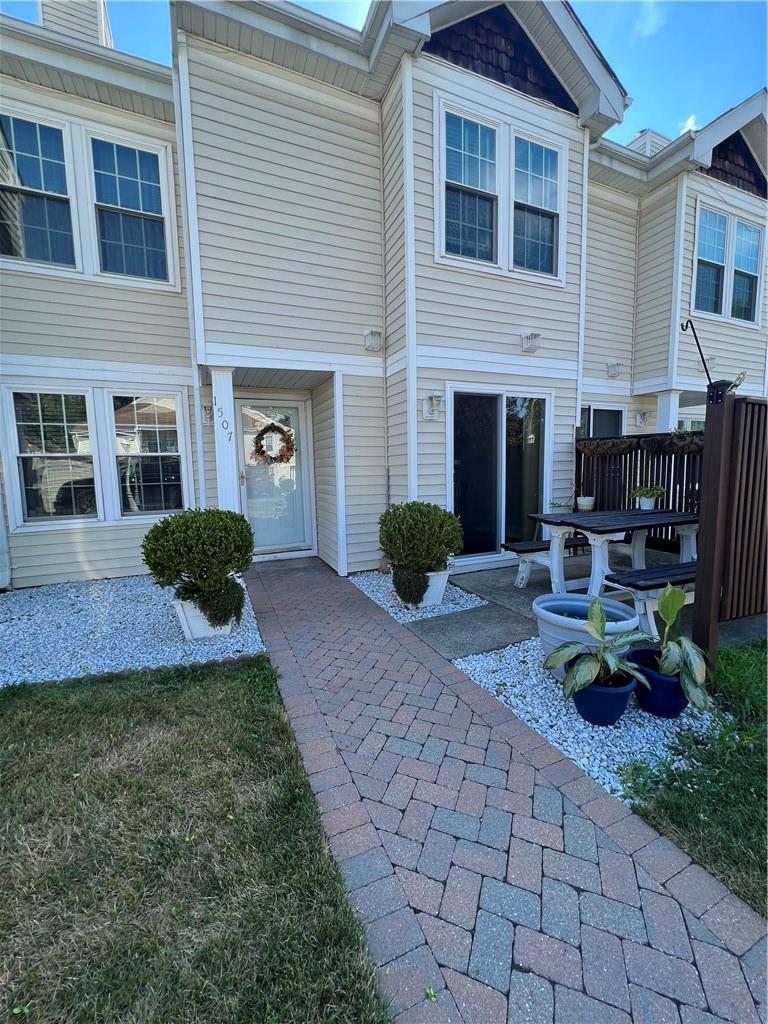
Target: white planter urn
x,y
562,618
195,624
435,588
585,504
647,504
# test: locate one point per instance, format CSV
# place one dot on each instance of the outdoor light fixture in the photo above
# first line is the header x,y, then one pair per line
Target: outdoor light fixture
x,y
207,411
641,417
614,369
529,342
431,405
372,341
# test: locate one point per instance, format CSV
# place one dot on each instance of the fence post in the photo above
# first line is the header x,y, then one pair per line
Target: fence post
x,y
713,515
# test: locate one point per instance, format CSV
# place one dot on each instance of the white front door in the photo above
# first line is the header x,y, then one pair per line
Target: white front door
x,y
275,487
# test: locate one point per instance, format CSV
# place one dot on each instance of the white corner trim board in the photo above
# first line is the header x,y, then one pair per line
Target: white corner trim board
x,y
341,485
226,436
410,280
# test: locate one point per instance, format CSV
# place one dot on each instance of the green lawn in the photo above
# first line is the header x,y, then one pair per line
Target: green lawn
x,y
162,859
716,809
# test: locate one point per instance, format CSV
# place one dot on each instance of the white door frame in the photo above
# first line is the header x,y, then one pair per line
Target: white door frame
x,y
307,468
470,563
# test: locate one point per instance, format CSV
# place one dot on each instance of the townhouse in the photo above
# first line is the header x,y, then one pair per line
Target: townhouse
x,y
308,271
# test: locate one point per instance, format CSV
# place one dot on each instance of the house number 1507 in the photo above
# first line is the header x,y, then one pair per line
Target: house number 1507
x,y
223,421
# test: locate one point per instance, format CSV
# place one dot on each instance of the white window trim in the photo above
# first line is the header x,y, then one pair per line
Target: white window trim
x,y
77,134
507,130
592,406
101,426
731,218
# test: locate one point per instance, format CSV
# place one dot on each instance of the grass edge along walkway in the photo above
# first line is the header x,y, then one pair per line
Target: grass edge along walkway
x,y
163,858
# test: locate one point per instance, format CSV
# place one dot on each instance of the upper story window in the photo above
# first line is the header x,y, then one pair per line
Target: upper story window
x,y
35,216
728,258
536,202
129,211
76,199
470,189
500,197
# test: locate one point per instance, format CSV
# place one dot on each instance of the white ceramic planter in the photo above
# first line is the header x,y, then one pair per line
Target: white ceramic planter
x,y
562,619
585,504
435,588
647,504
195,624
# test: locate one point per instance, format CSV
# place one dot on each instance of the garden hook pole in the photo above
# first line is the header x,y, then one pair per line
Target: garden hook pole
x,y
684,327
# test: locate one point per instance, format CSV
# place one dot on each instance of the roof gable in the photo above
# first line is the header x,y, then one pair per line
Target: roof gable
x,y
733,163
493,44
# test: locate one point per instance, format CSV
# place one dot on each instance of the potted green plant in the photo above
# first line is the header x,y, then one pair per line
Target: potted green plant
x,y
585,503
676,671
598,676
198,552
418,539
646,496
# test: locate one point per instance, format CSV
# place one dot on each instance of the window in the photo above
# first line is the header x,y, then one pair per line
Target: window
x,y
470,189
129,216
728,257
54,455
148,457
35,218
746,260
600,422
499,196
710,252
535,207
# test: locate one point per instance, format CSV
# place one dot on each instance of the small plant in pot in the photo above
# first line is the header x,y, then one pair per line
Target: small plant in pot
x,y
198,552
418,539
599,678
676,672
646,496
585,503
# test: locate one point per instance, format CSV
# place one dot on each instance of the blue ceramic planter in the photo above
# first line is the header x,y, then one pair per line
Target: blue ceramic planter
x,y
666,698
602,705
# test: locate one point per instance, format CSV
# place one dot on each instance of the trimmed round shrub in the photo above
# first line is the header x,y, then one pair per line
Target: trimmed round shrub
x,y
409,586
418,537
197,552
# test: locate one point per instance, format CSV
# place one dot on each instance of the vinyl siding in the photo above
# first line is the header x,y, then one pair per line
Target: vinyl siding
x,y
364,468
397,441
655,285
610,287
475,311
78,19
736,346
324,441
394,218
289,209
69,317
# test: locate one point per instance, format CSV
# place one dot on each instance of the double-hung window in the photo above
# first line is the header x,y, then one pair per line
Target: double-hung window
x,y
500,196
147,452
728,258
470,189
129,211
35,216
54,456
535,207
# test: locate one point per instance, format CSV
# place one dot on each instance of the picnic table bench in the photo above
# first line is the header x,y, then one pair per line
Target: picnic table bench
x,y
645,585
537,552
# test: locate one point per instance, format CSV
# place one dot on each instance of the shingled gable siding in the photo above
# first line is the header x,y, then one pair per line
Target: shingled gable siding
x,y
733,163
493,44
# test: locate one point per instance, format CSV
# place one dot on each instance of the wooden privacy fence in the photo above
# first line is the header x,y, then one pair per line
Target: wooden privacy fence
x,y
610,468
733,544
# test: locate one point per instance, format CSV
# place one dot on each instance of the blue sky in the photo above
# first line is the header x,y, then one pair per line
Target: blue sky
x,y
683,62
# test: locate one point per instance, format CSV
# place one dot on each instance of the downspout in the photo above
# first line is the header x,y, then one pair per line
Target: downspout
x,y
411,424
583,278
185,152
5,552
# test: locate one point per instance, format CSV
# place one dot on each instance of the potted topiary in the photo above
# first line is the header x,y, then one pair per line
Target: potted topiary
x,y
198,552
418,539
646,496
677,671
597,676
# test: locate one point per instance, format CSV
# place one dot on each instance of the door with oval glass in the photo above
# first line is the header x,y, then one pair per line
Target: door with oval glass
x,y
274,475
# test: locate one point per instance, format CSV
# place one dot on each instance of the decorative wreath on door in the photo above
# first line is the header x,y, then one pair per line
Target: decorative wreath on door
x,y
284,454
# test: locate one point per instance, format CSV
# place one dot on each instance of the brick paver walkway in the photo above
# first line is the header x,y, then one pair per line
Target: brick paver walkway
x,y
488,869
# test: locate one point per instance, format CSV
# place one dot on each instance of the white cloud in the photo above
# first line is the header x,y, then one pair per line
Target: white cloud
x,y
688,125
649,20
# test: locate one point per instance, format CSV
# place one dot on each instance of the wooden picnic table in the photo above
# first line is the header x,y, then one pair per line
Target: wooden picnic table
x,y
600,528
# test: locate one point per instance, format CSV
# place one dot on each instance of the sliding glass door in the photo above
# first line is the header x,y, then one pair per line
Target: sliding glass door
x,y
498,467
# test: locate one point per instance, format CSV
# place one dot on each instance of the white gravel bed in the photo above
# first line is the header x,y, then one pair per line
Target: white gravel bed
x,y
378,586
77,629
517,677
